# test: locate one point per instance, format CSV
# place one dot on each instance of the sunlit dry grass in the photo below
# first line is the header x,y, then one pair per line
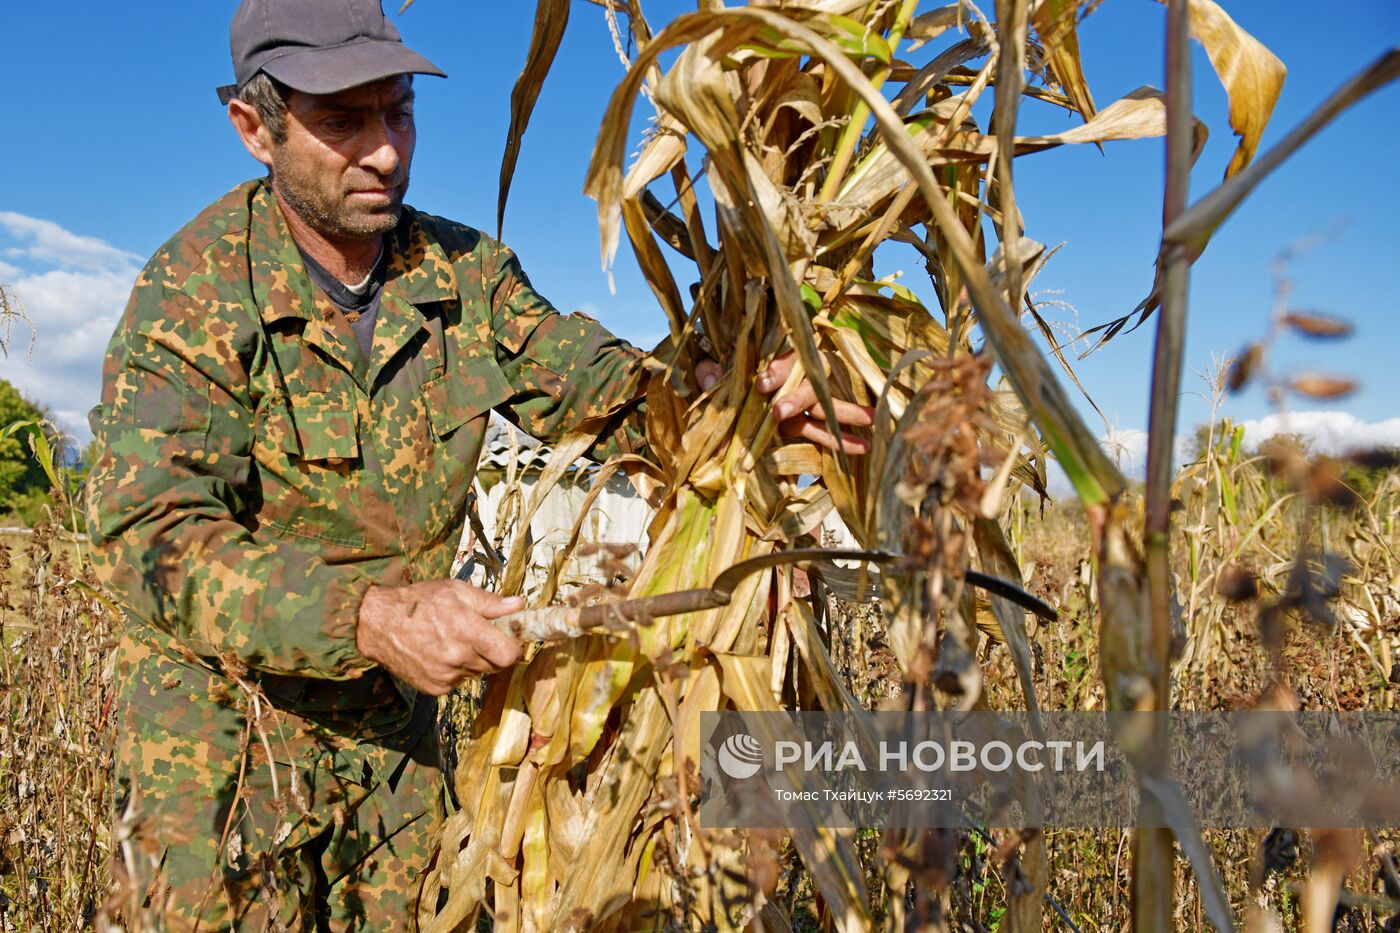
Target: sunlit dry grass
x,y
56,729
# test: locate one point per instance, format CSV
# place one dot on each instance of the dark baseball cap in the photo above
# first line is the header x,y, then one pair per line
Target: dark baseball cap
x,y
318,46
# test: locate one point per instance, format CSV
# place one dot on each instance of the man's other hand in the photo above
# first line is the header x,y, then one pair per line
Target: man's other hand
x,y
707,373
799,414
437,633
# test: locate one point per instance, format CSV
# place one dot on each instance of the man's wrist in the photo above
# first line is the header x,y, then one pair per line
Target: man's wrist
x,y
366,629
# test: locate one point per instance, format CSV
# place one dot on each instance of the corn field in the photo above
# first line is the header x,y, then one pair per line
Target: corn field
x,y
790,144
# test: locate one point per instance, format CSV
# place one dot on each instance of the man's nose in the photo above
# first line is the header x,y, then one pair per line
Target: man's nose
x,y
381,152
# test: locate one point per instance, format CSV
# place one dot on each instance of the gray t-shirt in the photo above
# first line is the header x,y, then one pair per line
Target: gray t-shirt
x,y
359,303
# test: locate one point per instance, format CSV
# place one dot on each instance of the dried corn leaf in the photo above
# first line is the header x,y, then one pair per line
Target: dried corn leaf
x,y
919,86
1056,25
551,18
1178,815
1139,115
564,456
934,23
831,691
1194,227
1252,75
828,855
1322,386
1313,324
596,886
998,561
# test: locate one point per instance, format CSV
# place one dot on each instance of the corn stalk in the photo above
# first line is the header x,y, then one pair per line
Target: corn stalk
x,y
815,133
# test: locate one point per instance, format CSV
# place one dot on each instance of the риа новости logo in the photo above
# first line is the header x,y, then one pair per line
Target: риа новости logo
x,y
740,756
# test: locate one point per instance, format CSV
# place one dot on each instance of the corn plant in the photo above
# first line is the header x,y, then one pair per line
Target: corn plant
x,y
790,144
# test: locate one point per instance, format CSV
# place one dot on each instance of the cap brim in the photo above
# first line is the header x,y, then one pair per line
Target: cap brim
x,y
328,70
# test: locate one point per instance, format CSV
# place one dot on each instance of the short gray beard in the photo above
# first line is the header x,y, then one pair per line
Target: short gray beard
x,y
330,223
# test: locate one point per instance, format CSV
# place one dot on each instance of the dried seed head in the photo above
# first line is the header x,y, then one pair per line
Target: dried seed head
x,y
1283,456
1271,627
1375,458
233,666
1341,847
1314,582
1243,367
1324,485
1312,324
1238,583
1323,386
955,670
609,548
235,849
1280,849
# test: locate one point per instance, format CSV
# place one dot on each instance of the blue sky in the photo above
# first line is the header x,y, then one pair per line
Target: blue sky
x,y
116,139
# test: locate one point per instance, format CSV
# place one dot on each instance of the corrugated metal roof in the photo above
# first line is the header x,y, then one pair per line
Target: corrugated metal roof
x,y
504,439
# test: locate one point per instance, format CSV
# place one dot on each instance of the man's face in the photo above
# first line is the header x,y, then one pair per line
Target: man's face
x,y
344,164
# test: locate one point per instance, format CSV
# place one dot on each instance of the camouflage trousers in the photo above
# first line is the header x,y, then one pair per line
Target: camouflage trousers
x,y
276,828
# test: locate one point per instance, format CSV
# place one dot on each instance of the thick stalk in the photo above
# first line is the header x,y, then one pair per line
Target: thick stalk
x,y
850,136
1153,876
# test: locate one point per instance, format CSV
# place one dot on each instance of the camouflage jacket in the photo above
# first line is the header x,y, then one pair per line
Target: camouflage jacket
x,y
256,473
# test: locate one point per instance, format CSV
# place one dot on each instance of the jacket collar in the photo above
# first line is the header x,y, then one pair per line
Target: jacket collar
x,y
419,271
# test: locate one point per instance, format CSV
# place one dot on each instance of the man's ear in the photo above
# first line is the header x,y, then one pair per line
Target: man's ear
x,y
251,129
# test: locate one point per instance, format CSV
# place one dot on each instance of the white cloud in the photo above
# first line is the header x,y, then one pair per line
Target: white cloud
x,y
1127,447
47,242
74,304
1329,432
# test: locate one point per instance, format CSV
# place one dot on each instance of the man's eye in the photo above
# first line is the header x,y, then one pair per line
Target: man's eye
x,y
339,126
402,117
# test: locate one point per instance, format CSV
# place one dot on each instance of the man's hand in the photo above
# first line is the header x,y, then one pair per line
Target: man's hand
x,y
798,413
435,634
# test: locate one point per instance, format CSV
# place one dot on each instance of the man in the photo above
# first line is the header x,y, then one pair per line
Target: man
x,y
293,405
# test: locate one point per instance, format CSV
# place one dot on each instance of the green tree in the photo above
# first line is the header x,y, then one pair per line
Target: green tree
x,y
23,486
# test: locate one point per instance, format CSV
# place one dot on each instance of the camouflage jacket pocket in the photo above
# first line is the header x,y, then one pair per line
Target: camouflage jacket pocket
x,y
463,393
327,427
306,450
154,400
